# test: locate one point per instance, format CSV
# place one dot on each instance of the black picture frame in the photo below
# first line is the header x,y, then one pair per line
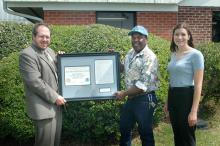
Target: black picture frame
x,y
89,76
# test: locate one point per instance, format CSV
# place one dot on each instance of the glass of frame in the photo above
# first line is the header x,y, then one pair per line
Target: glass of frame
x,y
88,76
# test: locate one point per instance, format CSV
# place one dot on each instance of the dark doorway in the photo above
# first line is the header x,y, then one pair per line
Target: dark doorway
x,y
116,19
216,26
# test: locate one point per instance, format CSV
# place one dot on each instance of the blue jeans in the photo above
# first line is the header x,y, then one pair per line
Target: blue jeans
x,y
138,110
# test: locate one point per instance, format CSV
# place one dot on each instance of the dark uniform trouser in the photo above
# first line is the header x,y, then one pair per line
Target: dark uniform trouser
x,y
138,110
179,105
48,131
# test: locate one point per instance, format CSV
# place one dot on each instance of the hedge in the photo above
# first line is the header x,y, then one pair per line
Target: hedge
x,y
83,121
13,119
13,37
211,85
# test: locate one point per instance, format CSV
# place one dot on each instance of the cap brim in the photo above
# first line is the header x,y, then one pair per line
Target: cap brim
x,y
132,32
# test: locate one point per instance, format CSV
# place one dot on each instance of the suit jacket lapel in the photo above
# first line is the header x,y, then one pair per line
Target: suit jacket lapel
x,y
52,67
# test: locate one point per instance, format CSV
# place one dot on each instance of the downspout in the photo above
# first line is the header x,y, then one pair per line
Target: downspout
x,y
20,14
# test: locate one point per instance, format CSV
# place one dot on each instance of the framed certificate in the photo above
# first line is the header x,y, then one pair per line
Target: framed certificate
x,y
88,76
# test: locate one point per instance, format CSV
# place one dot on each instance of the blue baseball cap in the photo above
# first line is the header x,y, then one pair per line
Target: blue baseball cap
x,y
139,29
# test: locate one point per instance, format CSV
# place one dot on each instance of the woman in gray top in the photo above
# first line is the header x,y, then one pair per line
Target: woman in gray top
x,y
185,69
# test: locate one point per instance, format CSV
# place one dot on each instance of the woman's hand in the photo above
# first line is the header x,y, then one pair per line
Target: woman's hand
x,y
167,116
192,118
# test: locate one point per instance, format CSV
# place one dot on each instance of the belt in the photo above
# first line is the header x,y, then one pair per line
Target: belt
x,y
141,94
186,87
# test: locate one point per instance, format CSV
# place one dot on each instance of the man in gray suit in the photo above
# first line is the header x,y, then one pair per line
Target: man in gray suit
x,y
38,69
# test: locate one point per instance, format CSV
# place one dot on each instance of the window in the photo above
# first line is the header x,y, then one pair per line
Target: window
x,y
116,19
216,26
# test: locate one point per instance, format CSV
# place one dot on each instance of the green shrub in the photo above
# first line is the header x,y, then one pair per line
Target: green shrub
x,y
85,120
14,37
13,118
212,71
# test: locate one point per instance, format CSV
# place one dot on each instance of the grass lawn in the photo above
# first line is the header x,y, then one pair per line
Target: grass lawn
x,y
164,135
206,137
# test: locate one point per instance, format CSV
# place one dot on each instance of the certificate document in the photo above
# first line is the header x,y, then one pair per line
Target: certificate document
x,y
104,72
77,75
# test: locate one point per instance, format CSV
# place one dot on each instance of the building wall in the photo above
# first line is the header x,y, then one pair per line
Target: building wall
x,y
199,20
161,24
69,17
158,23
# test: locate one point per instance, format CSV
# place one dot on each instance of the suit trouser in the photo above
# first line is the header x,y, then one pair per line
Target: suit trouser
x,y
48,131
179,105
138,110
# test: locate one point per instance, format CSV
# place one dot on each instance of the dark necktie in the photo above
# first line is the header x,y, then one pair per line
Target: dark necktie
x,y
50,59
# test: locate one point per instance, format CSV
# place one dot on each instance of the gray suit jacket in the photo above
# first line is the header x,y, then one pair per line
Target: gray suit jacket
x,y
40,82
